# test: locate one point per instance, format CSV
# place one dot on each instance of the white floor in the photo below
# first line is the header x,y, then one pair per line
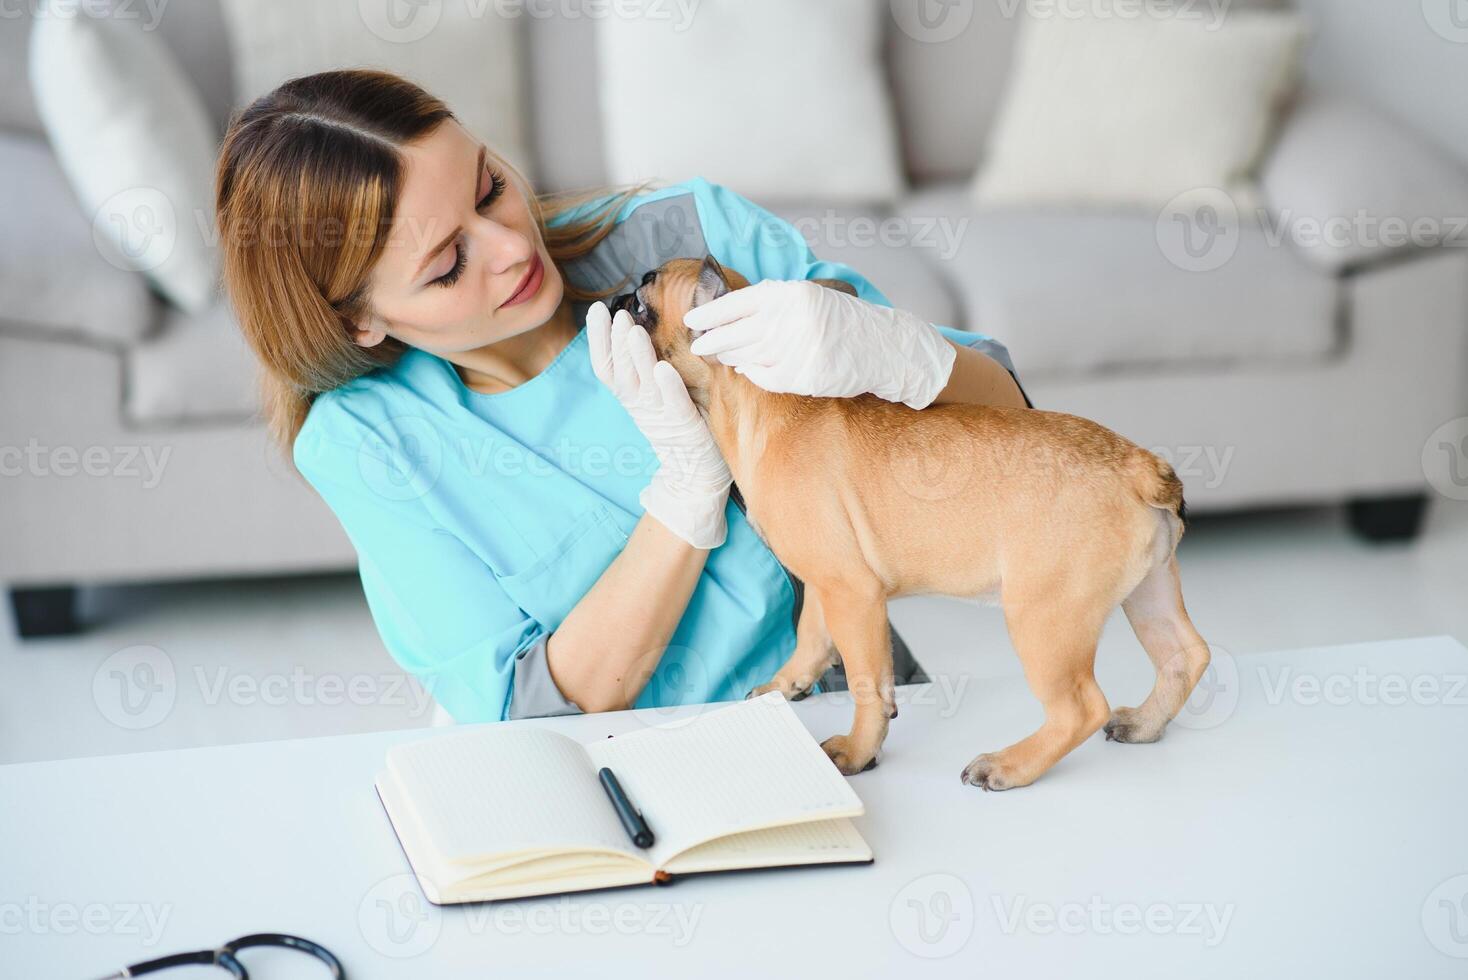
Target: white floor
x,y
222,662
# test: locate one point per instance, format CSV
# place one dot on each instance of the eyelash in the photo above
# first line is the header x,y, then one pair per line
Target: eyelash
x,y
496,188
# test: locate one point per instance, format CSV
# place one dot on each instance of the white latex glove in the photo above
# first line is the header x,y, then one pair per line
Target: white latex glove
x,y
690,489
805,339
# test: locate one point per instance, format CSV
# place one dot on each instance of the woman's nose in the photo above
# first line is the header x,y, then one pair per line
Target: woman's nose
x,y
503,247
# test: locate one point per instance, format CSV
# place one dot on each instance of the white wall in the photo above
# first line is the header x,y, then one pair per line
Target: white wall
x,y
1407,57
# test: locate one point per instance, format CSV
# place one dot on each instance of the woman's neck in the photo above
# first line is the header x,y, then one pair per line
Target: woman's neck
x,y
513,361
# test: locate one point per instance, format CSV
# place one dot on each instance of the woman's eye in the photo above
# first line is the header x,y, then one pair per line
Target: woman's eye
x,y
452,276
496,188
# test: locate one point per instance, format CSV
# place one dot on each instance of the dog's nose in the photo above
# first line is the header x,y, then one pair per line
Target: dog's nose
x,y
634,308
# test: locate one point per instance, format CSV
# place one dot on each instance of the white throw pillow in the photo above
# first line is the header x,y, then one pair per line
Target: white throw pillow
x,y
1137,111
464,52
730,95
135,141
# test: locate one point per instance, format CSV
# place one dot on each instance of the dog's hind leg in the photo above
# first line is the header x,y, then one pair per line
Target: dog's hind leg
x,y
1155,610
857,620
813,653
1056,641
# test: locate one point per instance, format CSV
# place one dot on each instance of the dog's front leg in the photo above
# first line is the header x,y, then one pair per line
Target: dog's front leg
x,y
857,620
813,654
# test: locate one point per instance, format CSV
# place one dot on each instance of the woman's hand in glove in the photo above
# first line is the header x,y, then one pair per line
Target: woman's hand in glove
x,y
690,489
806,339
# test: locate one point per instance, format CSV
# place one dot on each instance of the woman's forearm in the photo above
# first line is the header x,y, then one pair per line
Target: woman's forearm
x,y
978,379
608,645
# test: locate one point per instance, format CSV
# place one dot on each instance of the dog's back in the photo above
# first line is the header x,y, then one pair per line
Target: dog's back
x,y
933,500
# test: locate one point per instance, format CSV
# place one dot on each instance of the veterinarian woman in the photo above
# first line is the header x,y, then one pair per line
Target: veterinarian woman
x,y
540,528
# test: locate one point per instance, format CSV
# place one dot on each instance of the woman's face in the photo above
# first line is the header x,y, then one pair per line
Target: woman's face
x,y
464,264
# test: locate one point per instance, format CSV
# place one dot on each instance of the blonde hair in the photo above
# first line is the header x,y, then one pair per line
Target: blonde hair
x,y
305,190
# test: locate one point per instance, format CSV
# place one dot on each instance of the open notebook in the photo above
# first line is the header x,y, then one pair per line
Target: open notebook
x,y
509,811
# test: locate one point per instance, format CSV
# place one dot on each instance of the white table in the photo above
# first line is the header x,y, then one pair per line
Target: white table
x,y
1311,820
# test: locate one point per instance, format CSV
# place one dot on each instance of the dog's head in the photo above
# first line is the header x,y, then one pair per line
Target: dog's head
x,y
664,298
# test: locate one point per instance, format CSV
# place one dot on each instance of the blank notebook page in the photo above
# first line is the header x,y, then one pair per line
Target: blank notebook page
x,y
730,770
518,789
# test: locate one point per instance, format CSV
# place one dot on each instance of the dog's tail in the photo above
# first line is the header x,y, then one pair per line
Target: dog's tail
x,y
1158,486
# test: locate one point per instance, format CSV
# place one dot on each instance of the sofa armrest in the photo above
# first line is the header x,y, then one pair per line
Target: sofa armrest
x,y
1347,187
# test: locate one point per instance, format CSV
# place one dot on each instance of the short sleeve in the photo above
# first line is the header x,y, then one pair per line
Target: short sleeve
x,y
439,609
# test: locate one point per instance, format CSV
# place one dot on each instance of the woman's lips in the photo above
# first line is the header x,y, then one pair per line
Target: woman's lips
x,y
530,285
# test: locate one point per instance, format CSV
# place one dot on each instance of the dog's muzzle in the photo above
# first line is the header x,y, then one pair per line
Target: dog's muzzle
x,y
635,307
628,302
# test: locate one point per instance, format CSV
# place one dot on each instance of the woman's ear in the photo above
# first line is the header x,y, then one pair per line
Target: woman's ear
x,y
369,331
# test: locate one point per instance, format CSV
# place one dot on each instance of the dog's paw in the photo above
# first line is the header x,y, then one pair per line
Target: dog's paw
x,y
988,773
785,692
1132,726
838,749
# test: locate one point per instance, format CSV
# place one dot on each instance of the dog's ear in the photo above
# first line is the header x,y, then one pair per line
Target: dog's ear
x,y
711,282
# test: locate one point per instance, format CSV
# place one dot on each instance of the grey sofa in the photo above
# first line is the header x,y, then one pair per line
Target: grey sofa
x,y
1287,375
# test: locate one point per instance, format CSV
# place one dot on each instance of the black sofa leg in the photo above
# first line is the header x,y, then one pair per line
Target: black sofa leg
x,y
1388,518
45,612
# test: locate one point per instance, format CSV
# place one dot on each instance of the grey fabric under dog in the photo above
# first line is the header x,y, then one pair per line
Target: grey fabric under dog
x,y
657,232
905,667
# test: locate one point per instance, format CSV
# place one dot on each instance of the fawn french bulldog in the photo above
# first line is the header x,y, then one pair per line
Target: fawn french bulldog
x,y
1056,517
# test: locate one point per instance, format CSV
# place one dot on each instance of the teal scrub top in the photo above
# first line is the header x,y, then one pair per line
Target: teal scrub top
x,y
481,520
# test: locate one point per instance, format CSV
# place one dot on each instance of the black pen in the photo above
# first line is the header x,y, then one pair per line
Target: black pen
x,y
637,827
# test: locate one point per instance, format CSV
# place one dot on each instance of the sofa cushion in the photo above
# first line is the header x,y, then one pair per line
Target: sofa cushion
x,y
885,248
17,107
734,120
136,143
1112,112
564,116
1349,186
1072,292
195,368
193,32
54,277
949,63
468,55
